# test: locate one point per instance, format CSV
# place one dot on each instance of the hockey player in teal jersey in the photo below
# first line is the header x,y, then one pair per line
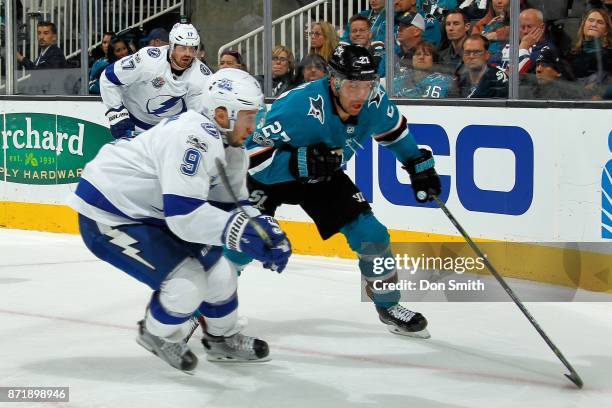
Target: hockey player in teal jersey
x,y
296,157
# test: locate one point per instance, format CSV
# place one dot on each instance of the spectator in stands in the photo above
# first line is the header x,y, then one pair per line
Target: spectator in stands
x,y
532,38
231,59
553,79
457,28
360,34
423,81
117,49
100,64
495,26
433,12
409,35
378,22
311,68
50,56
475,78
283,65
158,37
102,49
592,53
323,39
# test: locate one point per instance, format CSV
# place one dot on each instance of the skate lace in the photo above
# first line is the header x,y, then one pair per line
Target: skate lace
x,y
401,313
175,350
241,342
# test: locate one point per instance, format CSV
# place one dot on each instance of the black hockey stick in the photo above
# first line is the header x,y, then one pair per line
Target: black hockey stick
x,y
573,375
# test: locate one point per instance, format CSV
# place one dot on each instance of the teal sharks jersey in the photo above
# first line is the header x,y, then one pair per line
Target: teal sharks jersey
x,y
306,116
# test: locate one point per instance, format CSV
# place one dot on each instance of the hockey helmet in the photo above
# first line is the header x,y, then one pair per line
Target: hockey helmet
x,y
184,34
234,90
354,63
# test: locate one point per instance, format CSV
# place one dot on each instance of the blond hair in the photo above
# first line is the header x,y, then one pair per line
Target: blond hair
x,y
331,40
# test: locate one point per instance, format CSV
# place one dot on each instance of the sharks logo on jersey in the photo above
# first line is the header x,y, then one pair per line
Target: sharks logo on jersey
x,y
316,108
166,105
376,97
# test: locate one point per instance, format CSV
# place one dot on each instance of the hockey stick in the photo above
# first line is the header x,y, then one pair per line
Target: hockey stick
x,y
573,376
258,228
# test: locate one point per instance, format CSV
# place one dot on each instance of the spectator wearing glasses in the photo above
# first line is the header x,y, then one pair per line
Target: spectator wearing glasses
x,y
475,78
323,39
231,59
283,65
360,33
378,22
423,81
311,68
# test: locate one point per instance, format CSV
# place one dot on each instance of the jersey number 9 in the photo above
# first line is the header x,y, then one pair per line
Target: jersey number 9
x,y
191,161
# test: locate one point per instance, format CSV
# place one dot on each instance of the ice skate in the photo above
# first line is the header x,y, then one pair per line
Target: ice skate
x,y
178,355
237,348
404,322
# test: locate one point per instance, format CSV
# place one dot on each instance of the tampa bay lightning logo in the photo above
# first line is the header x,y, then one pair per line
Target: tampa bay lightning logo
x,y
210,129
316,108
164,106
154,52
606,196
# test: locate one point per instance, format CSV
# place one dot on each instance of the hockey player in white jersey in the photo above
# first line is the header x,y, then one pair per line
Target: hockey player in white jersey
x,y
155,83
155,207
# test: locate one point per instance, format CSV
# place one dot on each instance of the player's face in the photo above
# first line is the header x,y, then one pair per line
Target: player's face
x,y
45,36
183,55
595,26
353,95
546,74
422,59
360,33
244,126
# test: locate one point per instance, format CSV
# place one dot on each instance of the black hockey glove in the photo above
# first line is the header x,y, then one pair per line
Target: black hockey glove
x,y
425,181
314,163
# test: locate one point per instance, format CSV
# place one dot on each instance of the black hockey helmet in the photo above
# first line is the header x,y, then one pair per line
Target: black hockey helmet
x,y
354,63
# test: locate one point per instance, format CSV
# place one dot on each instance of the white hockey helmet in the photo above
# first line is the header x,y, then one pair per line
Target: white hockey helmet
x,y
234,90
184,34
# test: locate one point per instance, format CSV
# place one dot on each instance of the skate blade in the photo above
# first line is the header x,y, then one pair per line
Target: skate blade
x,y
231,360
152,351
423,334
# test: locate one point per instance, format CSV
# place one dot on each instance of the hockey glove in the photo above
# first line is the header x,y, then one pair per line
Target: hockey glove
x,y
120,123
239,235
314,163
425,181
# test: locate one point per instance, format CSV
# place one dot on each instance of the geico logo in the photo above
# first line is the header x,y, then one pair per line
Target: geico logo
x,y
516,140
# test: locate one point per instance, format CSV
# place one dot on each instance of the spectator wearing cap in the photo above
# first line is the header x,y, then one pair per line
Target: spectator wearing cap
x,y
533,39
475,78
311,68
360,33
553,79
457,27
378,22
231,59
157,37
409,35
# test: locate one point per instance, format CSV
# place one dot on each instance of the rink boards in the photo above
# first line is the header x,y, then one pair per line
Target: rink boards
x,y
508,174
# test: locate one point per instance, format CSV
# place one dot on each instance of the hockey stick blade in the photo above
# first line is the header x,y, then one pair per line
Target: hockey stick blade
x,y
573,375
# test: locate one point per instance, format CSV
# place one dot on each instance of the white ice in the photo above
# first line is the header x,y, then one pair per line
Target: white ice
x,y
68,319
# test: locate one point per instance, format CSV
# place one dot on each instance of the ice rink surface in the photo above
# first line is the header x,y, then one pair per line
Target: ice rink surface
x,y
68,319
